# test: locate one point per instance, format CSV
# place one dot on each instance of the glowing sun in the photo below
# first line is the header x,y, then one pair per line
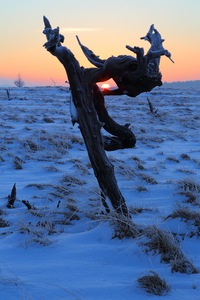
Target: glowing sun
x,y
105,86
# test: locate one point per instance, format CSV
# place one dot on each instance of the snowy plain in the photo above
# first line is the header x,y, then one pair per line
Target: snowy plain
x,y
63,248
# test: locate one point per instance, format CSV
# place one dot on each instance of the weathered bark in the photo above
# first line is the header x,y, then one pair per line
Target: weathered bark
x,y
90,126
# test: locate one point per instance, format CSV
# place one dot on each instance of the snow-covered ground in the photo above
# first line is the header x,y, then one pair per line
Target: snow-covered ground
x,y
63,248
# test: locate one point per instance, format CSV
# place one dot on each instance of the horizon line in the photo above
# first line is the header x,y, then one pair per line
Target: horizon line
x,y
31,85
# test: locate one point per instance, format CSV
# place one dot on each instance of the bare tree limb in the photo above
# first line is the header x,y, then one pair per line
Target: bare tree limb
x,y
132,75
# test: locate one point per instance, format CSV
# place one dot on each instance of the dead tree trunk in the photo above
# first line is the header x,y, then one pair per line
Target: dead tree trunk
x,y
132,76
89,124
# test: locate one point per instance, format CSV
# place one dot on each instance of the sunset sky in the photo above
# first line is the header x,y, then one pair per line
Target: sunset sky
x,y
105,27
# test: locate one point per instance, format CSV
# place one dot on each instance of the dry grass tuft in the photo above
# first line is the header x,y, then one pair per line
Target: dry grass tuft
x,y
148,178
61,192
187,214
153,284
41,227
191,190
183,266
75,140
186,171
189,185
70,180
2,212
191,197
135,210
168,246
141,189
173,159
3,223
31,146
185,156
48,120
162,242
83,168
18,163
126,171
123,226
39,186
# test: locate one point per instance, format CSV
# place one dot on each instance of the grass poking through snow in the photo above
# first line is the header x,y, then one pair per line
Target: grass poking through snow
x,y
154,284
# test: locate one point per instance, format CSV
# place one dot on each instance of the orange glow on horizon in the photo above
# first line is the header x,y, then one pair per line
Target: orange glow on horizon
x,y
38,67
22,50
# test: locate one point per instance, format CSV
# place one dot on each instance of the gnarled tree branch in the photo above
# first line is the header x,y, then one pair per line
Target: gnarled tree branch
x,y
131,75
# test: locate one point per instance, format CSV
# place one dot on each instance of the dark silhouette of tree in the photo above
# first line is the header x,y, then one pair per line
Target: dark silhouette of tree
x,y
19,82
133,75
